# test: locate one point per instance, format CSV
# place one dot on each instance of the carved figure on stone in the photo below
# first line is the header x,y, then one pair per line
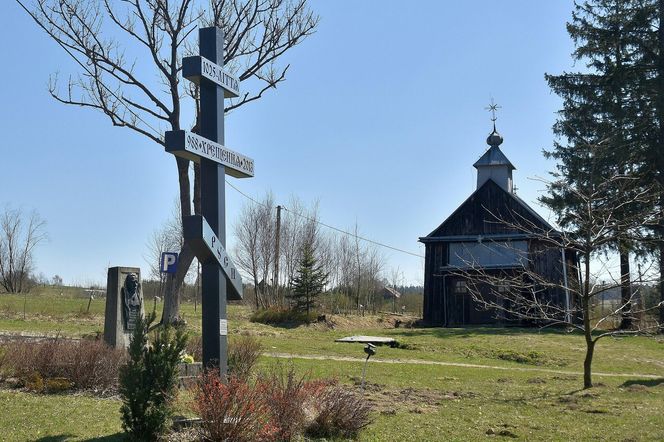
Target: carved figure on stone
x,y
132,301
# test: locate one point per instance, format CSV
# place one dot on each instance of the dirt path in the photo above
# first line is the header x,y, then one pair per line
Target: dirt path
x,y
457,364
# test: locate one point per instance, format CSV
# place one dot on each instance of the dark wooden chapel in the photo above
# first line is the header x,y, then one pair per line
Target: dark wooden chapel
x,y
489,232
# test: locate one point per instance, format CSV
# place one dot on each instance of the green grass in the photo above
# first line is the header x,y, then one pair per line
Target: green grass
x,y
413,401
32,417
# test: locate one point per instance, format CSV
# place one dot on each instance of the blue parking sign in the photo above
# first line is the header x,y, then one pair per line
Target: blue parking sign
x,y
169,262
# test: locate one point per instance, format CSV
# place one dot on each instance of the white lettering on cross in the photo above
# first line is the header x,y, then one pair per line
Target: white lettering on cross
x,y
194,147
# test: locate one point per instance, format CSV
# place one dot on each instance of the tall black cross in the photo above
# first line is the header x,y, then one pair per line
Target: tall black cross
x,y
206,233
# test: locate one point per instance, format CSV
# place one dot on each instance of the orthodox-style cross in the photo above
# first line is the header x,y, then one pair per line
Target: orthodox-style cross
x,y
493,108
206,233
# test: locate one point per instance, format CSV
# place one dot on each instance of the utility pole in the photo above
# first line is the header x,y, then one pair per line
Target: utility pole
x,y
275,277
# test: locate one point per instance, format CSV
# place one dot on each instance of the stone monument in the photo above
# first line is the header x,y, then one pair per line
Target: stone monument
x,y
124,305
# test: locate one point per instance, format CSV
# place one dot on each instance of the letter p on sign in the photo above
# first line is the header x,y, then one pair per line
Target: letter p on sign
x,y
169,262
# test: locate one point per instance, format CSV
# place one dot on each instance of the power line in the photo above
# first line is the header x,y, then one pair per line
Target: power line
x,y
66,49
325,225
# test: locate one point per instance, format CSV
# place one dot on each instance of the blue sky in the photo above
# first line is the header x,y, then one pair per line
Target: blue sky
x,y
380,120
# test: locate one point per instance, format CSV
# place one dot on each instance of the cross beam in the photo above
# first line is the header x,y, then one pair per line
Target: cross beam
x,y
207,247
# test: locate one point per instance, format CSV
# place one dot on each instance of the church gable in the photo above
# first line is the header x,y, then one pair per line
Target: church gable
x,y
482,212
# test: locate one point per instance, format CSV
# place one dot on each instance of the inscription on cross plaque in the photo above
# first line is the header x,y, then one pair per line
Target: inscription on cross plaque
x,y
206,233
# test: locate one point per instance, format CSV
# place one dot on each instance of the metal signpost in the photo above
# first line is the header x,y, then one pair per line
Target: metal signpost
x,y
206,234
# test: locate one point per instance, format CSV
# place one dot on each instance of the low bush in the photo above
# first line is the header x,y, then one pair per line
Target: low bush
x,y
339,413
531,357
286,395
3,362
232,411
95,365
57,385
279,316
243,354
84,365
195,348
278,406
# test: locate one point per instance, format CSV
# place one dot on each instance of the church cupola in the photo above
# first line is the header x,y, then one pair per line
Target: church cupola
x,y
494,164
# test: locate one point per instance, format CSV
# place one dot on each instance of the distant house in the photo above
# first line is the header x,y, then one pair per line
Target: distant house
x,y
474,237
390,294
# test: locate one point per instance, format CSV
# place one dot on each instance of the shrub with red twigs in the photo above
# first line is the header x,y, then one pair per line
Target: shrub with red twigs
x,y
233,411
286,395
278,406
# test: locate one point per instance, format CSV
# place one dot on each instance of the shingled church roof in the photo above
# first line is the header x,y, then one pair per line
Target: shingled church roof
x,y
493,157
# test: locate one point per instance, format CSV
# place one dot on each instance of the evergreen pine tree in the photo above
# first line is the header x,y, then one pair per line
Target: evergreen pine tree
x,y
601,128
308,283
655,158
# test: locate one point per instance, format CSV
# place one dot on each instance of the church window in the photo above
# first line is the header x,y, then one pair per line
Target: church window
x,y
487,253
460,287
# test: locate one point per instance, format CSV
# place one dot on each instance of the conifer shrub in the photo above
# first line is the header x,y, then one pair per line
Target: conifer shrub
x,y
149,379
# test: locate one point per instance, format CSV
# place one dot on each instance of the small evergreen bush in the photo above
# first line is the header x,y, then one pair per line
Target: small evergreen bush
x,y
149,380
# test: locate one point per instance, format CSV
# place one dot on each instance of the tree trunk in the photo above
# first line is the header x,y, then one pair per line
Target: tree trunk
x,y
661,270
172,291
659,156
171,311
625,290
588,361
587,331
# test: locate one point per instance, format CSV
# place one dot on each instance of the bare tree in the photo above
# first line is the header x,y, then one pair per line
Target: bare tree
x,y
529,294
396,281
166,238
56,280
122,46
353,268
299,227
254,252
19,235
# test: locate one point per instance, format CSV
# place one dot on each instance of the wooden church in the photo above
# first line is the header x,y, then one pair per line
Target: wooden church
x,y
489,232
